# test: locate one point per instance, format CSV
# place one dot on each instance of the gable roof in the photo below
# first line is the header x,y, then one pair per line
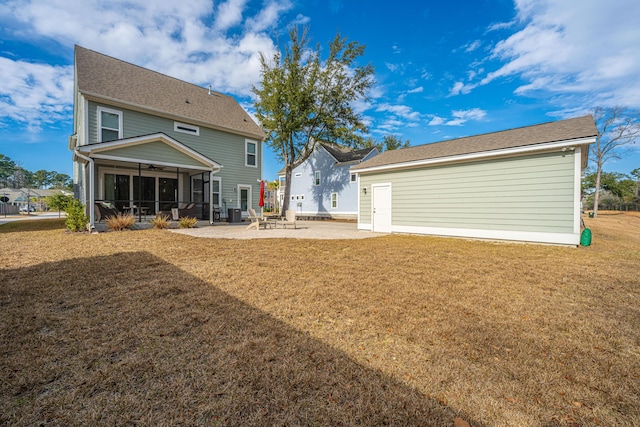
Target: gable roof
x,y
344,154
341,153
529,136
103,77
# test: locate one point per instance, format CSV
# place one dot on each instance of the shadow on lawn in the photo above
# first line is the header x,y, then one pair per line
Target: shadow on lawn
x,y
130,338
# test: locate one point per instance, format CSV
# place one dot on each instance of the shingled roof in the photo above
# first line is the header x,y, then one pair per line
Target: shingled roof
x,y
563,130
344,154
118,82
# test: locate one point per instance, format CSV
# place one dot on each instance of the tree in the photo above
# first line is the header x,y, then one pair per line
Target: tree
x,y
42,178
7,167
389,142
61,181
303,99
58,201
617,126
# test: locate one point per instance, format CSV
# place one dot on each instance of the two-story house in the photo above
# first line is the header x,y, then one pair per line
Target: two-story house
x,y
146,142
323,186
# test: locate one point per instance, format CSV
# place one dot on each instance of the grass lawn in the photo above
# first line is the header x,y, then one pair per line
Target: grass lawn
x,y
155,328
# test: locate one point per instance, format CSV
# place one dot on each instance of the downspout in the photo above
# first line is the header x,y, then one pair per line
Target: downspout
x,y
91,187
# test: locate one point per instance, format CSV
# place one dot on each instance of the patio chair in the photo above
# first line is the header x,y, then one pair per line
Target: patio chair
x,y
256,221
289,219
104,210
187,210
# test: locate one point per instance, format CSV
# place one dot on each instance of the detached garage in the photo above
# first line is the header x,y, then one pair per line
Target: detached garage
x,y
520,184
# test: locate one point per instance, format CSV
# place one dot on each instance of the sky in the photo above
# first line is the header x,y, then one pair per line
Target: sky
x,y
443,70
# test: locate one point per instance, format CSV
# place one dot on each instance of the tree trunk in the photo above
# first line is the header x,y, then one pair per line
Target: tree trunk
x,y
288,171
596,194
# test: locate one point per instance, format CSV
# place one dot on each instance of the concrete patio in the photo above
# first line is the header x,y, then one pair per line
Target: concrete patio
x,y
325,230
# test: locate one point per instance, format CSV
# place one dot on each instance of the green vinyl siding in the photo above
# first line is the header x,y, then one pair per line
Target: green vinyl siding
x,y
226,149
155,152
530,193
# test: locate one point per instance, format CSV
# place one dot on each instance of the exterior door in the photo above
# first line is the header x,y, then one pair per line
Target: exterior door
x,y
381,202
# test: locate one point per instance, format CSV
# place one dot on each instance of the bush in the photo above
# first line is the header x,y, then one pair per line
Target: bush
x,y
188,222
161,222
77,219
120,222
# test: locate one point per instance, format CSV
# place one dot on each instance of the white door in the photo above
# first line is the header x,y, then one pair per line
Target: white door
x,y
381,208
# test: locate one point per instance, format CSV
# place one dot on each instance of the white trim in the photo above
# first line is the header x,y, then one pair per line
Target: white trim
x,y
186,128
577,182
368,227
482,155
521,236
317,178
331,200
246,153
85,125
100,110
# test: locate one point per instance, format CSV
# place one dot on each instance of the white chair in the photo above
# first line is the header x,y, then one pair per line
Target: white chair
x,y
256,221
289,219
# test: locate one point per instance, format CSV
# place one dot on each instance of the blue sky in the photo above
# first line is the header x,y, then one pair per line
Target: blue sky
x,y
443,69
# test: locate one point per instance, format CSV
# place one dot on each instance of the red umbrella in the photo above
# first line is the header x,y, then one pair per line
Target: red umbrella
x,y
261,203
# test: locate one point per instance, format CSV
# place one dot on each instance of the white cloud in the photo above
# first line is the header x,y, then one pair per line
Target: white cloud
x,y
587,48
229,14
191,40
458,117
419,89
34,94
402,111
472,46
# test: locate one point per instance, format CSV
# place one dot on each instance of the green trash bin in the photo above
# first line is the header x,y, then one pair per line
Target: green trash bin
x,y
590,214
585,238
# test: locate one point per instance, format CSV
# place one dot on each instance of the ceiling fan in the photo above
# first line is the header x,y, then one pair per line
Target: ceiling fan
x,y
153,168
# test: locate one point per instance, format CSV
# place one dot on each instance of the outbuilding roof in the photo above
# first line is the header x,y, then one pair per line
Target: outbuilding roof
x,y
563,130
116,81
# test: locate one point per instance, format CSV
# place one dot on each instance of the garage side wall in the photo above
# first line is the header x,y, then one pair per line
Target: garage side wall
x,y
530,198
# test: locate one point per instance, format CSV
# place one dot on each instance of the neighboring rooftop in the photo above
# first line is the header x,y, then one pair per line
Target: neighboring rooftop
x,y
563,130
344,154
101,76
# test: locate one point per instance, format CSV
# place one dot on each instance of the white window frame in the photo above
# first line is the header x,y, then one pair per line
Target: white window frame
x,y
334,202
354,177
100,110
247,154
317,178
249,196
185,128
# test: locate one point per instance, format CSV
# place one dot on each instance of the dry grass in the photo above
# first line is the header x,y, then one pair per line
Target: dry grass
x,y
155,328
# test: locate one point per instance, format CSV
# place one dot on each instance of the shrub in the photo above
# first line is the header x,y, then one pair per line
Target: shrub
x,y
77,219
188,222
120,222
161,222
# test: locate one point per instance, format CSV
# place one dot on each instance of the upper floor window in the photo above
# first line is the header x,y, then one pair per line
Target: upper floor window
x,y
318,178
109,124
354,177
251,153
185,128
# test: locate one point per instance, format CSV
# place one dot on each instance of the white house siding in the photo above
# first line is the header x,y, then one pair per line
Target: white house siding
x,y
315,200
530,198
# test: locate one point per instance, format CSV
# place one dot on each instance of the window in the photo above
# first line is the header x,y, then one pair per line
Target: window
x,y
318,178
109,124
251,154
334,200
354,177
185,128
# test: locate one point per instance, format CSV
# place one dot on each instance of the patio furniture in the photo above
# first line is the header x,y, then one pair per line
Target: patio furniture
x,y
104,210
289,219
256,221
